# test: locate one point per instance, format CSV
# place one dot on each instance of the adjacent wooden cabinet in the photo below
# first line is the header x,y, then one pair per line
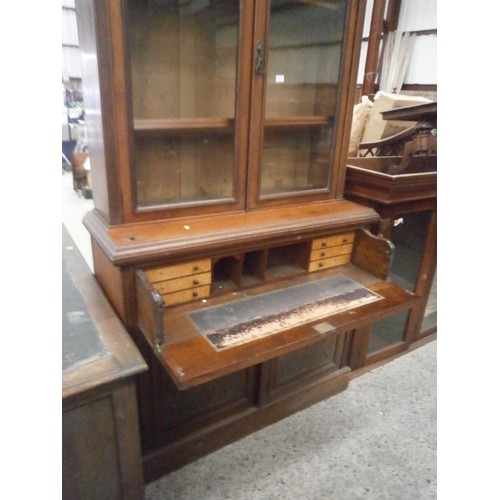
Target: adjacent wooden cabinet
x,y
218,135
101,456
407,204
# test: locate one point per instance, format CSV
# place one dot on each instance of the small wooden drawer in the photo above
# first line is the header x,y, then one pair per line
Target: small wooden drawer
x,y
331,241
201,292
319,265
183,283
329,252
176,271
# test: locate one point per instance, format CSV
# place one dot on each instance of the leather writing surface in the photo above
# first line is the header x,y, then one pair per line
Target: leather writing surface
x,y
81,341
254,317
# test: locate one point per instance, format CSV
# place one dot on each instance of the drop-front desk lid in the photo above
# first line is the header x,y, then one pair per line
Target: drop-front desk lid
x,y
221,335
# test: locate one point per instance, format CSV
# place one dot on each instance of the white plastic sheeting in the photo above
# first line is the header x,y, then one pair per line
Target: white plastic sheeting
x,y
71,63
397,56
415,15
69,27
71,57
423,67
418,15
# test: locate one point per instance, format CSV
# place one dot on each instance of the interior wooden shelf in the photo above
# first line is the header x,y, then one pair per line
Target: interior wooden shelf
x,y
223,125
180,125
297,122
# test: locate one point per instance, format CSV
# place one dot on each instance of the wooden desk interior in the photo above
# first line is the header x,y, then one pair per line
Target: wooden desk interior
x,y
206,331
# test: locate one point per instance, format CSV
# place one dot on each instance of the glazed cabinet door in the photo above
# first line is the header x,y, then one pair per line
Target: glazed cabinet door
x,y
187,60
299,50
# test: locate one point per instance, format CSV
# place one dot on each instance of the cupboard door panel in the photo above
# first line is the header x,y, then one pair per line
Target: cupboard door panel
x,y
181,412
295,365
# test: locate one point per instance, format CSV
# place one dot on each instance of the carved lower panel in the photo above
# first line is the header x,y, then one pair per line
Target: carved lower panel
x,y
171,455
182,415
179,413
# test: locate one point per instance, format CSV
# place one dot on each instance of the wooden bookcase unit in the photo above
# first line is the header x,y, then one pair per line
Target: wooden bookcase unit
x,y
218,136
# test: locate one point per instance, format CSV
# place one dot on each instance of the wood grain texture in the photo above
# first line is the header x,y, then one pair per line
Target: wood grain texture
x,y
193,361
373,254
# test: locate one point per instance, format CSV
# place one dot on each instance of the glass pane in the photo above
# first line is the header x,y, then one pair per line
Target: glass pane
x,y
183,58
170,170
388,331
304,57
409,236
295,160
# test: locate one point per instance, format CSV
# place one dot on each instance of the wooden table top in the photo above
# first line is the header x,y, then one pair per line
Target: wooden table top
x,y
418,112
96,349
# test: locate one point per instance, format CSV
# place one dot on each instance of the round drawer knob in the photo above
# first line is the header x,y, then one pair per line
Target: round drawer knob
x,y
196,282
195,294
196,268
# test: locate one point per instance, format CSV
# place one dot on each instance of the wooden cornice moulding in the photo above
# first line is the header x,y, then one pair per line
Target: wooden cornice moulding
x,y
169,239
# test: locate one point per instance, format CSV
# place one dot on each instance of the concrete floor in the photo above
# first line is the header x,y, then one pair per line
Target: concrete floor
x,y
376,440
